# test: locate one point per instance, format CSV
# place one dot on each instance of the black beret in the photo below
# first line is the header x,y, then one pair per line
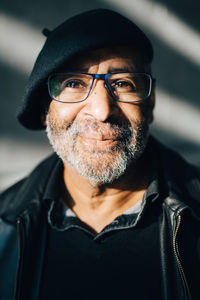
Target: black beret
x,y
87,31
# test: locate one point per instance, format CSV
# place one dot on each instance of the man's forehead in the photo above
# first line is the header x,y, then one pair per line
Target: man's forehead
x,y
121,57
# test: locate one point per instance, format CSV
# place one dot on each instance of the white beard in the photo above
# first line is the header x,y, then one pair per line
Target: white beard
x,y
96,165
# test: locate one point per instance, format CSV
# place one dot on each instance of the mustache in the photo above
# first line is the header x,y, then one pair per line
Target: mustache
x,y
119,130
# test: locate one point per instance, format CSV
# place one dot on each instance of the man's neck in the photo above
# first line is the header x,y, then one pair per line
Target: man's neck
x,y
98,205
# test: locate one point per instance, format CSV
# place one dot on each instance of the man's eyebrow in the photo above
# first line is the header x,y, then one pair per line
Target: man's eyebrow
x,y
81,69
118,70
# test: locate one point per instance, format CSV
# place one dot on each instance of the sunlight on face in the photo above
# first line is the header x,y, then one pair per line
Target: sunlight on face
x,y
99,137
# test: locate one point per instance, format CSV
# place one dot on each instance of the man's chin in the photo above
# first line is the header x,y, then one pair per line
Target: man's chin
x,y
99,167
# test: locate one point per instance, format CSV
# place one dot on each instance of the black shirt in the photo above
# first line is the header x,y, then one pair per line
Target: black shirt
x,y
121,261
119,264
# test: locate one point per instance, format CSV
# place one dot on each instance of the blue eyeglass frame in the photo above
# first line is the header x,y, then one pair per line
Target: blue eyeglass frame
x,y
107,85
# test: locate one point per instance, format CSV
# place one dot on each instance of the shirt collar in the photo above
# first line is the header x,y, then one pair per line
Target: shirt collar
x,y
63,218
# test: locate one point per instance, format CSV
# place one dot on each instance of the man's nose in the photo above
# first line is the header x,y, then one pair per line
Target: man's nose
x,y
100,103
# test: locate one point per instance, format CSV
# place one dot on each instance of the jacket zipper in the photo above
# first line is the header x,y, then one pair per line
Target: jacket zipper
x,y
175,247
17,285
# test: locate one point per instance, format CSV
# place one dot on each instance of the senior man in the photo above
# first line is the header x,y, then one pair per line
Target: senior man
x,y
112,214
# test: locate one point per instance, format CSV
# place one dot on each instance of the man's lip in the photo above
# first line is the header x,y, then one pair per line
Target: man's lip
x,y
98,141
100,137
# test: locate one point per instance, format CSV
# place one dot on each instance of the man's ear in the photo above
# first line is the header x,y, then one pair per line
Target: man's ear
x,y
44,120
152,103
46,103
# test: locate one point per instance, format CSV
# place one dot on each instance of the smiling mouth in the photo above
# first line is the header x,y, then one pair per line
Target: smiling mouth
x,y
99,141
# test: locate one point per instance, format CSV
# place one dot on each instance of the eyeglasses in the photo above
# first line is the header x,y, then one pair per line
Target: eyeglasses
x,y
75,87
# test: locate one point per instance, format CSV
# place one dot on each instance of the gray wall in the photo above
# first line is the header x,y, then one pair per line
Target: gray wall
x,y
173,27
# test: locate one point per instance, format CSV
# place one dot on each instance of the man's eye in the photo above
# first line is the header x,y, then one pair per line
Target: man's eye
x,y
73,84
124,85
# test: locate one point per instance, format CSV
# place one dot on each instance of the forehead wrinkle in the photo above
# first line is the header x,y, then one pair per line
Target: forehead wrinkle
x,y
116,66
132,59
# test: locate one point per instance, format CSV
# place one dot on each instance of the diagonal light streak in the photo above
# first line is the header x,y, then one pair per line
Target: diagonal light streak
x,y
164,24
19,43
177,116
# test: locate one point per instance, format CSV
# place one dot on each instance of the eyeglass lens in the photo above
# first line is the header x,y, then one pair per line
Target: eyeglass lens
x,y
75,87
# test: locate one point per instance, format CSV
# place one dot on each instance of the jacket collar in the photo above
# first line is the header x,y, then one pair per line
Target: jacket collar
x,y
29,192
181,179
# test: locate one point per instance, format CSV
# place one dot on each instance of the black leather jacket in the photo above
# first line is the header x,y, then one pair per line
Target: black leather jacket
x,y
23,227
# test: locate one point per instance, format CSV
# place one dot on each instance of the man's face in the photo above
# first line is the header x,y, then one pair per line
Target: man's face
x,y
100,137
